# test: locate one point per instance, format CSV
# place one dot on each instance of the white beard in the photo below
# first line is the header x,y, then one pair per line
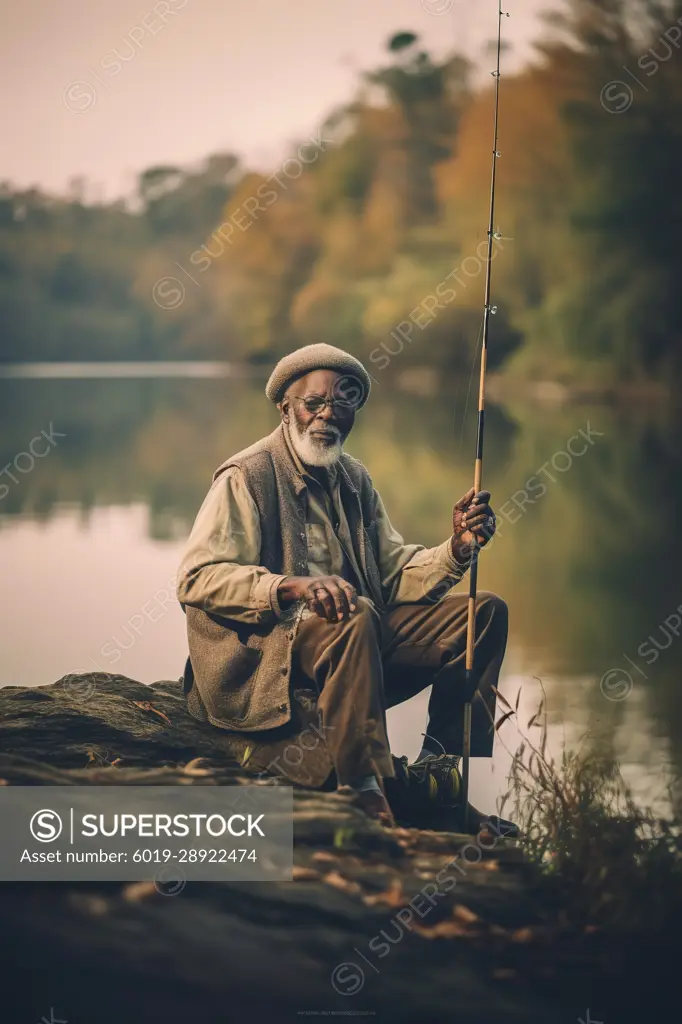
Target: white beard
x,y
310,451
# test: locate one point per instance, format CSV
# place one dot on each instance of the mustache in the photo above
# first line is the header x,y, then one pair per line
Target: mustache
x,y
329,429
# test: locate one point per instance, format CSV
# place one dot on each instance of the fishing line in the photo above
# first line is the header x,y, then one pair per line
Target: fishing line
x,y
471,379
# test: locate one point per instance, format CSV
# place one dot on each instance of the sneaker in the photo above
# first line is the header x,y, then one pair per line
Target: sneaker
x,y
425,794
436,777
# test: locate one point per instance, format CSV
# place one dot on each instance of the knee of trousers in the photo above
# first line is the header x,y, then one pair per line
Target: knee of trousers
x,y
492,613
493,605
492,617
448,623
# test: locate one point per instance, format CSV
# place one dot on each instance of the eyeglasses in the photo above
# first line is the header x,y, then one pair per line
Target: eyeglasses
x,y
316,403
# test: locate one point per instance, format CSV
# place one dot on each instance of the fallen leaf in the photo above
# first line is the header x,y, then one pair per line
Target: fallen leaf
x,y
522,935
144,705
116,762
301,874
504,974
337,881
196,767
391,897
89,903
323,856
463,914
197,762
488,865
441,930
137,891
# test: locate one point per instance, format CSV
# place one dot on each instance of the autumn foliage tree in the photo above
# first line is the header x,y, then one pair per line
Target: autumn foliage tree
x,y
376,241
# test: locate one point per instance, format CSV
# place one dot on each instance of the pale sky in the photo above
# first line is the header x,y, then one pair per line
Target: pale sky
x,y
104,89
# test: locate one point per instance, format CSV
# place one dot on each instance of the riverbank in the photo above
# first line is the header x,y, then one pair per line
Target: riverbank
x,y
354,932
506,385
511,388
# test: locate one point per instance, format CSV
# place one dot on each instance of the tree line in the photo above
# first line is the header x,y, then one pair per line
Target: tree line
x,y
372,233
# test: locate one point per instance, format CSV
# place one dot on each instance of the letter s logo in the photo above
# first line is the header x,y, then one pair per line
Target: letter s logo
x,y
46,826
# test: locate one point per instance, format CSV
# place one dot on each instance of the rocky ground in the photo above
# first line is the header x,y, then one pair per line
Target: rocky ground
x,y
342,938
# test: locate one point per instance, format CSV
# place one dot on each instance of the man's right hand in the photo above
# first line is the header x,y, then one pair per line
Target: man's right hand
x,y
330,597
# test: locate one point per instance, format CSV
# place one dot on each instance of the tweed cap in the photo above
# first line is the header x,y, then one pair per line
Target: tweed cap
x,y
320,357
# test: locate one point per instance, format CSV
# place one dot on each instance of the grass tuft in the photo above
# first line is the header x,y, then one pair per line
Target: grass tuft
x,y
614,863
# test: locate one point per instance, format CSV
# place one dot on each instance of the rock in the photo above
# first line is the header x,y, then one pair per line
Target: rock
x,y
81,718
378,922
99,718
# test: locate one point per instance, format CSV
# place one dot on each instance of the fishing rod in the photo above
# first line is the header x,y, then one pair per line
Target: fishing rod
x,y
488,310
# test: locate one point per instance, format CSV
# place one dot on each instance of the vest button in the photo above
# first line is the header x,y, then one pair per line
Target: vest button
x,y
285,672
282,707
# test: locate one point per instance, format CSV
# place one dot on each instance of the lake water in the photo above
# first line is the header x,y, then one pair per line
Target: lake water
x,y
103,477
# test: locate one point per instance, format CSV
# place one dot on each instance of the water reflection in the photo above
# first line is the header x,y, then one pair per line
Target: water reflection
x,y
588,565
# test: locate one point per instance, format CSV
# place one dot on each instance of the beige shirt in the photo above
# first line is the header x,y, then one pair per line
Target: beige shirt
x,y
220,571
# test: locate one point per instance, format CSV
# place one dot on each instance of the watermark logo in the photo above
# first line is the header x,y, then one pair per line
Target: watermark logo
x,y
78,686
438,7
53,1019
46,826
443,294
616,684
151,611
436,585
349,391
616,97
79,97
347,979
170,880
28,459
168,292
293,754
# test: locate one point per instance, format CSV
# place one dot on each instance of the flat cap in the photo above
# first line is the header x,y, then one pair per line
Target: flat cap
x,y
320,357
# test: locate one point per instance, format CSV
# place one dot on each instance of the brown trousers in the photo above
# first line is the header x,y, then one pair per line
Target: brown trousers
x,y
373,661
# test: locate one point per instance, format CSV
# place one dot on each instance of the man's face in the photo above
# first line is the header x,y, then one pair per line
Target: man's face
x,y
318,429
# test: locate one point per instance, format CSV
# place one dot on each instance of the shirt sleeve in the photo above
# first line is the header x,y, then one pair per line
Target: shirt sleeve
x,y
219,571
412,573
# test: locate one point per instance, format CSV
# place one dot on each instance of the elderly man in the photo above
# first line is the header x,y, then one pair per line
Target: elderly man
x,y
294,574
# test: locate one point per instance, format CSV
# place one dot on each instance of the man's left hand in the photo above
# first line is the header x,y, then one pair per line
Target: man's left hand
x,y
473,524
